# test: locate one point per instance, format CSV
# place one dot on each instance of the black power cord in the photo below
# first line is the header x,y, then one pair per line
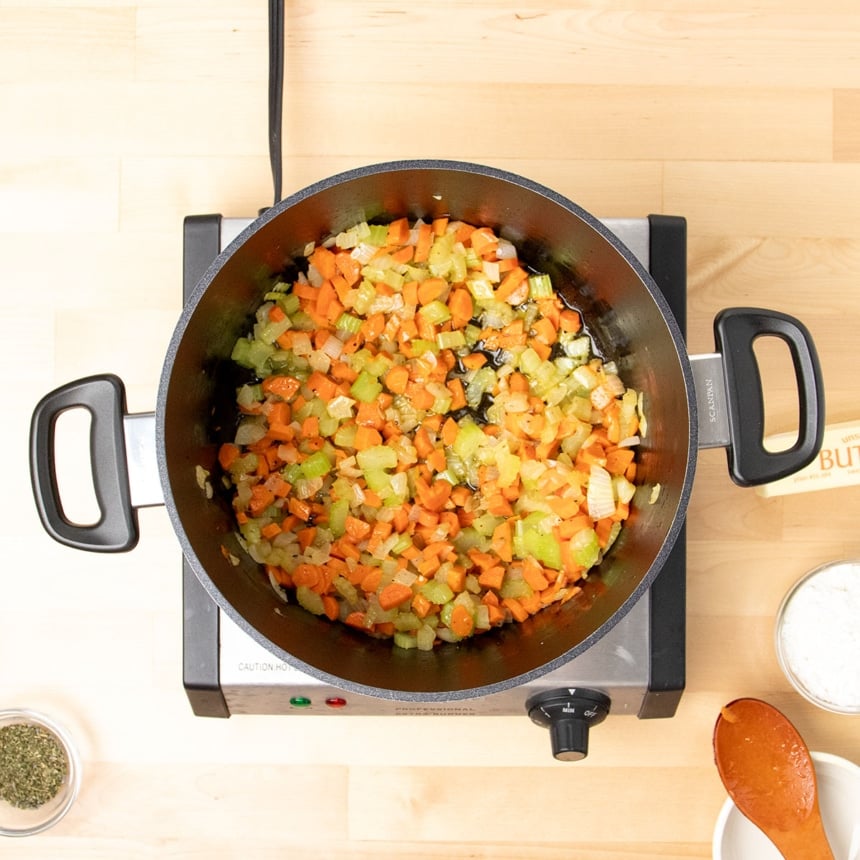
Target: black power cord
x,y
276,91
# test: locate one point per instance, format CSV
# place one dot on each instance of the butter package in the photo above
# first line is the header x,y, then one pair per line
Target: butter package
x,y
837,463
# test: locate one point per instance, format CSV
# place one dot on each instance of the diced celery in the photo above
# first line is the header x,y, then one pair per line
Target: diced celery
x,y
346,590
469,438
482,382
585,547
310,600
407,621
348,322
288,302
366,387
435,312
377,234
344,436
248,395
272,330
578,348
516,588
420,346
529,361
450,339
405,640
292,473
437,591
340,407
378,480
486,524
376,457
540,287
402,543
316,465
544,547
509,466
425,637
394,279
337,514
365,295
439,260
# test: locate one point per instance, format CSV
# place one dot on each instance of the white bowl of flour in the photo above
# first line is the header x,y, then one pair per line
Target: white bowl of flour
x,y
818,636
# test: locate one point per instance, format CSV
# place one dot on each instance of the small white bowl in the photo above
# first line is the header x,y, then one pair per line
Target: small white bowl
x,y
817,637
737,838
25,822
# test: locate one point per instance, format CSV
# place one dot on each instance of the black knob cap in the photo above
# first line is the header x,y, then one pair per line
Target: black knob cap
x,y
568,713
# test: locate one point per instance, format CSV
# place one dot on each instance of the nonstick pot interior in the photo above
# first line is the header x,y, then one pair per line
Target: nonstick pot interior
x,y
625,314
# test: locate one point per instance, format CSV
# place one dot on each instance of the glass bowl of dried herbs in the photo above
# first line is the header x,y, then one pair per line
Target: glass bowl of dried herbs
x,y
40,772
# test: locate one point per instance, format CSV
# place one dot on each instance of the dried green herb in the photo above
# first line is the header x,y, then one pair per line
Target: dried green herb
x,y
32,765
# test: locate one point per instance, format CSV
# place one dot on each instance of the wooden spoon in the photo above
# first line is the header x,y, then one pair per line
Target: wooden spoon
x,y
768,772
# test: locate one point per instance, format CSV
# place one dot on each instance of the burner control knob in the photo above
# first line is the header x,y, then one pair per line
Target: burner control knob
x,y
568,713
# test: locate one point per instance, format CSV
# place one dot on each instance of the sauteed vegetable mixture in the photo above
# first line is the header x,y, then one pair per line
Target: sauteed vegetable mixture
x,y
430,448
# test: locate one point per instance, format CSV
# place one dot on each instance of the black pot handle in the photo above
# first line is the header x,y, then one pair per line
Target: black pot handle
x,y
735,331
116,529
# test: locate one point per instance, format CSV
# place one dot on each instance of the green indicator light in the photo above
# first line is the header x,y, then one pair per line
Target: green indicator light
x,y
300,702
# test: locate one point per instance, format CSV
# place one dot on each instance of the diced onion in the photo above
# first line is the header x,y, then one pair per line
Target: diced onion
x,y
599,496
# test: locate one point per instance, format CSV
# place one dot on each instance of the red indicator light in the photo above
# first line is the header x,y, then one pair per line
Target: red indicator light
x,y
336,702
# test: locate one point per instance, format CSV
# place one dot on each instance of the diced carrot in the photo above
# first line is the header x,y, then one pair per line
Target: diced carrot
x,y
398,232
462,622
421,606
510,283
322,386
502,543
433,497
276,313
371,580
357,529
366,437
271,530
397,379
544,331
484,241
430,289
394,594
281,386
618,460
456,578
306,537
516,609
492,577
420,396
460,306
228,453
310,427
356,619
348,266
437,460
569,320
331,607
544,350
323,260
306,575
533,574
300,509
422,246
370,415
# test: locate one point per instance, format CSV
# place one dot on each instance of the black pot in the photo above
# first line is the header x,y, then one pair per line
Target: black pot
x,y
705,401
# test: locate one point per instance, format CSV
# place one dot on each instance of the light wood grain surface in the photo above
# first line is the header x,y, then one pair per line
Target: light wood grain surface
x,y
119,120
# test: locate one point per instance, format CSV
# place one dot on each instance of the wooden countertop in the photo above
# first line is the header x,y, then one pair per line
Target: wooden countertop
x,y
119,120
